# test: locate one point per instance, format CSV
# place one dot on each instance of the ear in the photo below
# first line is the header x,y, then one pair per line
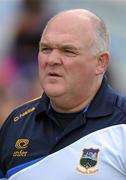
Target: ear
x,y
102,63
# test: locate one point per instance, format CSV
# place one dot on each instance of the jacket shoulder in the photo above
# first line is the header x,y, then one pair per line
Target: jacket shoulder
x,y
121,103
21,111
32,102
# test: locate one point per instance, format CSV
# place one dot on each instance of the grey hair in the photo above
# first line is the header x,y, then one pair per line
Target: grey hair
x,y
101,42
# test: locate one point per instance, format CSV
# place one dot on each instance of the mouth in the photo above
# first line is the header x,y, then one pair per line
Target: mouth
x,y
53,74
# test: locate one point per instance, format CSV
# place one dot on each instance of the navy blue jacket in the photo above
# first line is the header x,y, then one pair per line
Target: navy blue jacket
x,y
31,131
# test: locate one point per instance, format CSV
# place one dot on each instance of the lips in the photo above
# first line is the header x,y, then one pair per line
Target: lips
x,y
54,74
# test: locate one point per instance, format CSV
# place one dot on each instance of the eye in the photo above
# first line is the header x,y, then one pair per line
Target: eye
x,y
45,50
70,53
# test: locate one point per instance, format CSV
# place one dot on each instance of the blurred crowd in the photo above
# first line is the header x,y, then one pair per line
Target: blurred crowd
x,y
18,69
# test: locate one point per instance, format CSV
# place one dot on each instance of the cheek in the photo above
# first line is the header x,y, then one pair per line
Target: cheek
x,y
73,74
41,61
80,72
41,66
76,69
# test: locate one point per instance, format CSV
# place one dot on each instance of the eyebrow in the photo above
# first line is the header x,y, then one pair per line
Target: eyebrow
x,y
69,46
41,44
63,46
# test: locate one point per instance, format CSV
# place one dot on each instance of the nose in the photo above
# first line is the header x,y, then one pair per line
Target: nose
x,y
54,57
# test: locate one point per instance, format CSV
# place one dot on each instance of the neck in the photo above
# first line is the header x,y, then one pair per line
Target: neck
x,y
69,108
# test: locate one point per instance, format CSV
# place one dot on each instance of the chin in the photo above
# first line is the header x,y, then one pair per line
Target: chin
x,y
53,92
52,95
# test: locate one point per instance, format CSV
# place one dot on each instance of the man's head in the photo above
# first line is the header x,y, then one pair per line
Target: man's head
x,y
73,56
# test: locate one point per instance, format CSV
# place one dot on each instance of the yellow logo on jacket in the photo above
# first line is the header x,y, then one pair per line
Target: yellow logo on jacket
x,y
20,145
28,111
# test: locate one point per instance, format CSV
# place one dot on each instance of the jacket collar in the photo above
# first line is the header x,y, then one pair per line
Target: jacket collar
x,y
104,101
43,105
101,105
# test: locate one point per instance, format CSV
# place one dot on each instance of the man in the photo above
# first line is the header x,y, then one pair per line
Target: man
x,y
76,129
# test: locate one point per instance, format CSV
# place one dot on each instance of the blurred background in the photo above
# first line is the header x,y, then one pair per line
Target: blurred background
x,y
21,25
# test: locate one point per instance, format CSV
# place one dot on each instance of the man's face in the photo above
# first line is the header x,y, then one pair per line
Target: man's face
x,y
66,64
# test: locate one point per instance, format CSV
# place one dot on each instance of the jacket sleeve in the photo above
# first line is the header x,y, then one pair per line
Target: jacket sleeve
x,y
3,142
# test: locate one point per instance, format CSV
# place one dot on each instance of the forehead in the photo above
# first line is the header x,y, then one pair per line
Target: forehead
x,y
69,27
